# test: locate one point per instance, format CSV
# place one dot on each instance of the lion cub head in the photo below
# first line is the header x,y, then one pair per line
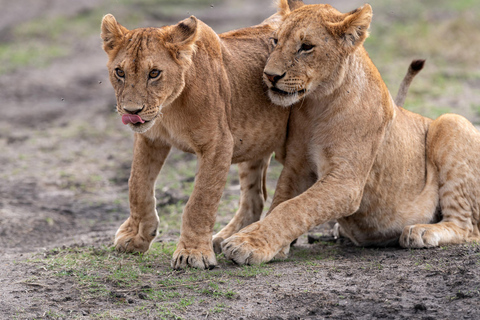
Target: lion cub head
x,y
309,51
147,67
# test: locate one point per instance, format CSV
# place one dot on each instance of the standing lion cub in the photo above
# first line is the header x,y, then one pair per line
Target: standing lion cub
x,y
386,174
187,87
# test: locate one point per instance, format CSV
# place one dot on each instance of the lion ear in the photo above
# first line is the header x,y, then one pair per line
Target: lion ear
x,y
183,37
353,30
284,7
112,32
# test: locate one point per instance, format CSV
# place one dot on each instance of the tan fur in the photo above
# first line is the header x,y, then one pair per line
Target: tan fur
x,y
387,175
209,99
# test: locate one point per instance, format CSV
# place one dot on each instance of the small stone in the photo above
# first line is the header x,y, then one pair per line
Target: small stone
x,y
420,307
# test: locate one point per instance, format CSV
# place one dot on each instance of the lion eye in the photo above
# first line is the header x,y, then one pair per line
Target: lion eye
x,y
154,74
120,73
274,41
305,47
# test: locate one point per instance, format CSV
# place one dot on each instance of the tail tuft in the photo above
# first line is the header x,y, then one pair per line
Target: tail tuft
x,y
417,65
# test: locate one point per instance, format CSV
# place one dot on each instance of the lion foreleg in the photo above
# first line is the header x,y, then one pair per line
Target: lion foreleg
x,y
253,196
140,229
195,247
272,236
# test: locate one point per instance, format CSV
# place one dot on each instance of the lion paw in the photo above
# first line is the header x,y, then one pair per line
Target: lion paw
x,y
217,244
283,253
194,258
419,236
135,236
243,248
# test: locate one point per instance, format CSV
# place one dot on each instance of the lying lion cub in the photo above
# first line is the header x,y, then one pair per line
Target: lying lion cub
x,y
187,87
386,174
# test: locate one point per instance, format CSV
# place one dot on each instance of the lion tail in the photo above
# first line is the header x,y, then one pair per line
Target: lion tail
x,y
415,67
264,180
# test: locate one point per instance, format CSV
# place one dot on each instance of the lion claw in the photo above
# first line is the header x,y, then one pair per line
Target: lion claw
x,y
193,258
419,236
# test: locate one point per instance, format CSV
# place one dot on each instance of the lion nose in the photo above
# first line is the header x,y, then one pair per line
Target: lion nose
x,y
133,109
274,77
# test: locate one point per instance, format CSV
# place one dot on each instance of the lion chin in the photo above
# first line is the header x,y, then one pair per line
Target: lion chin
x,y
142,127
285,99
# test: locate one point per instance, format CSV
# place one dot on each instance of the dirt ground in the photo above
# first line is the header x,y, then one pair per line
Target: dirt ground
x,y
65,161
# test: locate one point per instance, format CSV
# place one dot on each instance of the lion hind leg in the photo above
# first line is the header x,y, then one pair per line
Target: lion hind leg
x,y
458,222
453,146
253,195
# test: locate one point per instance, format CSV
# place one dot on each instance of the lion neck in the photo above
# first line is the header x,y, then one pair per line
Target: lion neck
x,y
355,81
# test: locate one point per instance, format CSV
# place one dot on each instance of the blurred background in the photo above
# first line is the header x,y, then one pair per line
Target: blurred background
x,y
65,155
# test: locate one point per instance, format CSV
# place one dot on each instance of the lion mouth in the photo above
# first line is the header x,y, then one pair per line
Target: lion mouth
x,y
139,124
285,93
132,118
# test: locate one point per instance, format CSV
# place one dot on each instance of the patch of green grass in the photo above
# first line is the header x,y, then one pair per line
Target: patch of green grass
x,y
93,268
80,25
220,307
101,274
185,302
13,56
161,295
213,289
462,5
43,28
302,253
50,314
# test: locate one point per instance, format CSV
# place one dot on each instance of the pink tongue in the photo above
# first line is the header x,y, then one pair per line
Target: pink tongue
x,y
131,118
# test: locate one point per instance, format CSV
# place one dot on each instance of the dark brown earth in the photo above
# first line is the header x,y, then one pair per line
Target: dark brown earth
x,y
65,161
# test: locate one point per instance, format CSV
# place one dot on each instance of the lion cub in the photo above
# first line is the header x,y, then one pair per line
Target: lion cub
x,y
187,87
386,174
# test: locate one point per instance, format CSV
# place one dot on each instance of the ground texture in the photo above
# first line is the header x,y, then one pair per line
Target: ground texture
x,y
65,161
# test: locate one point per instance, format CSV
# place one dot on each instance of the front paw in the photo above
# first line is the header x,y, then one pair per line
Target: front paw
x,y
244,248
200,258
419,236
136,236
